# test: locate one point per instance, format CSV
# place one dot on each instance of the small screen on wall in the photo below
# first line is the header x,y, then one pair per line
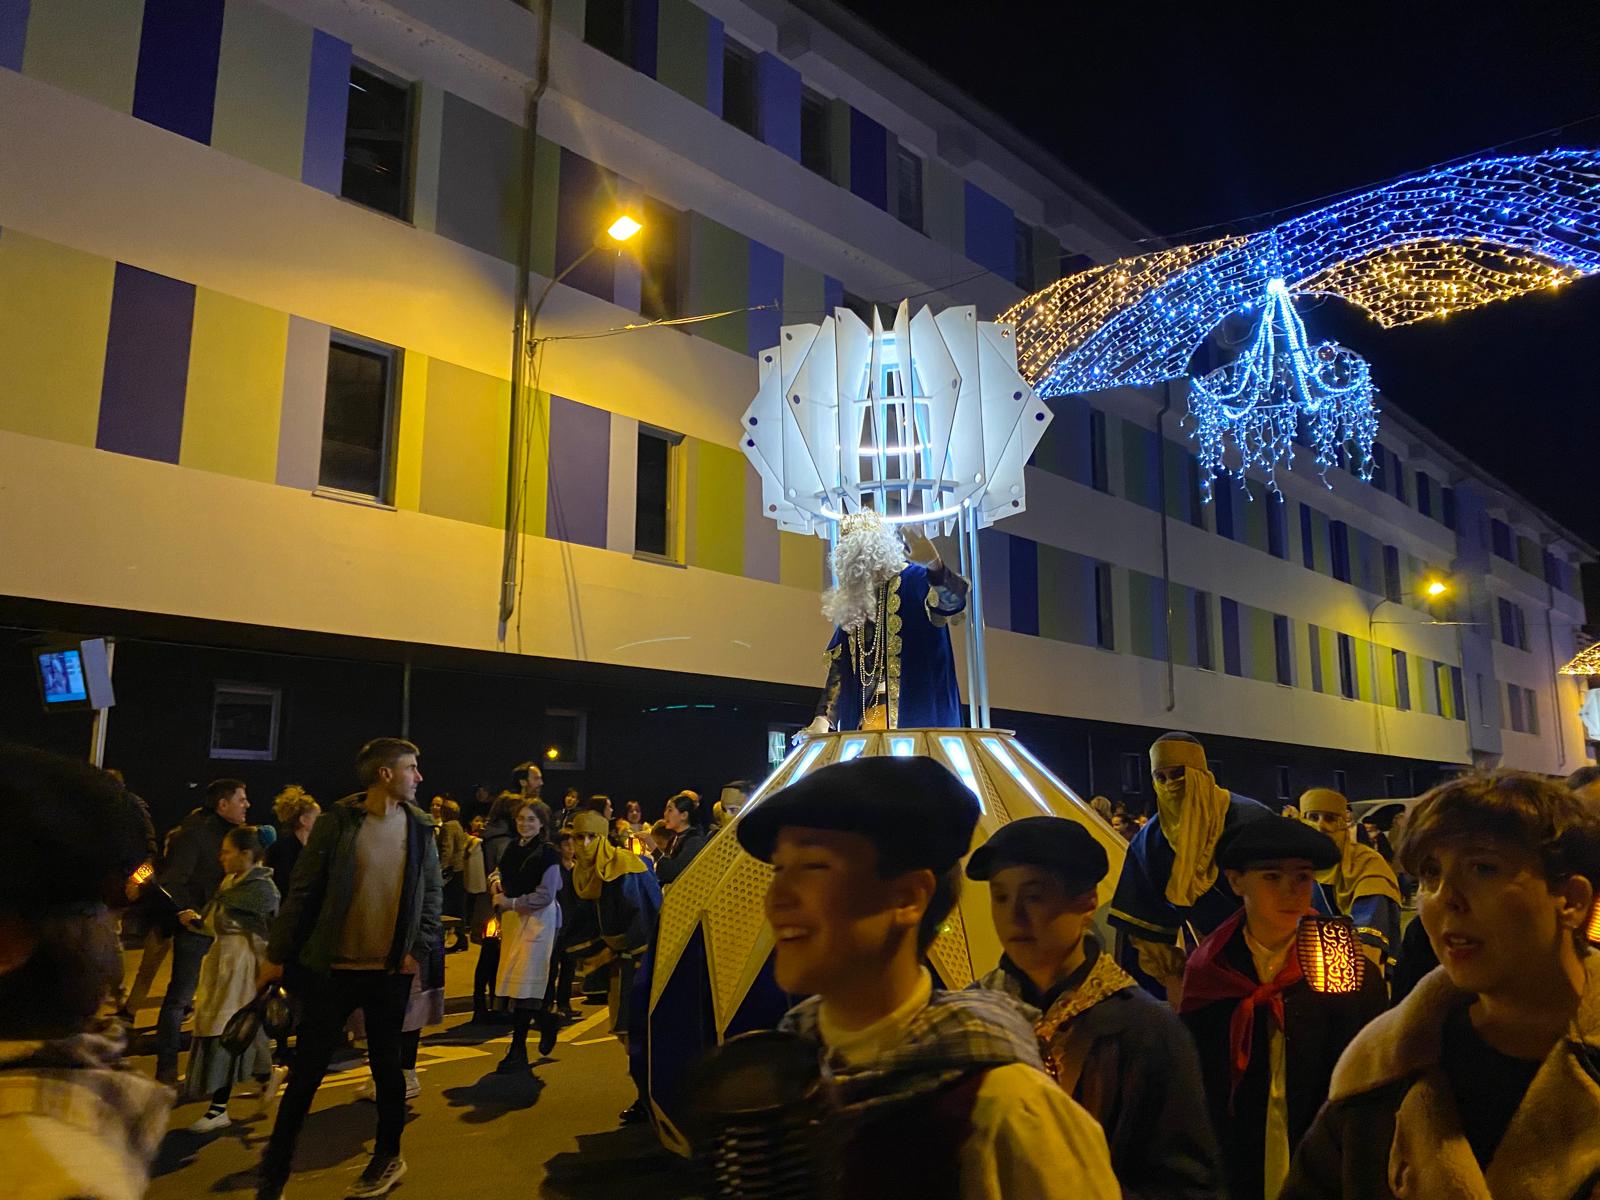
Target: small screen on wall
x,y
61,677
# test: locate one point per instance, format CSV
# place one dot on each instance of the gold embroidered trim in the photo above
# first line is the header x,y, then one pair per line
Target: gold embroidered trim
x,y
1105,979
892,666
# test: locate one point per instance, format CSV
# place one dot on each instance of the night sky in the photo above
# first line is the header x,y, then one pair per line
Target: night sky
x,y
1215,115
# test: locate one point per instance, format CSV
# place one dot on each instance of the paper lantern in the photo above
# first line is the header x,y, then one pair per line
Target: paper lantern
x,y
1330,954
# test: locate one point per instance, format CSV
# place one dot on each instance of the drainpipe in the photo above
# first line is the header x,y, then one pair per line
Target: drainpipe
x,y
523,322
1166,564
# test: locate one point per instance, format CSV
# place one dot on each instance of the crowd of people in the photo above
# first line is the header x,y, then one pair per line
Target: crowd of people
x,y
1177,1043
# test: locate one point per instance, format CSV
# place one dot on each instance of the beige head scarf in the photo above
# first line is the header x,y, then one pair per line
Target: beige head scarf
x,y
1361,871
1192,814
598,863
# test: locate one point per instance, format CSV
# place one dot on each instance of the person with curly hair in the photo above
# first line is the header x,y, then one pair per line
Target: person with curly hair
x,y
297,811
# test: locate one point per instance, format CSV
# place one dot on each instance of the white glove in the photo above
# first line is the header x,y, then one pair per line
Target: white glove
x,y
818,727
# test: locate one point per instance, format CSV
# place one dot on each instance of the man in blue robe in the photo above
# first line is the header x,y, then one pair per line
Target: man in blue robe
x,y
890,663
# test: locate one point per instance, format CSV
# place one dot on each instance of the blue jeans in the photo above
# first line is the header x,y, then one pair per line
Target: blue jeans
x,y
188,950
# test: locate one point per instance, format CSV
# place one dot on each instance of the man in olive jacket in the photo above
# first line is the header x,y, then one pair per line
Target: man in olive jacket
x,y
360,912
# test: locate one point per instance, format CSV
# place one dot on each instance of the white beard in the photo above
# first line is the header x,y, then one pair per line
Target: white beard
x,y
862,563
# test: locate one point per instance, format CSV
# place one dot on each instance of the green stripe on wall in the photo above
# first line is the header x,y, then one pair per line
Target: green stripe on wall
x,y
944,206
1066,596
55,310
839,143
464,444
1263,663
409,444
263,74
235,388
719,281
716,507
1143,610
90,47
546,204
1366,685
804,294
682,58
1181,599
1046,258
429,147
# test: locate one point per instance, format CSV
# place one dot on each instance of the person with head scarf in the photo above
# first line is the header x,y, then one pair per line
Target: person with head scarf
x,y
1170,894
890,664
1360,885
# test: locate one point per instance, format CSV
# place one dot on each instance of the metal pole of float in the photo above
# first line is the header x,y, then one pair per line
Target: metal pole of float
x,y
974,559
102,716
969,641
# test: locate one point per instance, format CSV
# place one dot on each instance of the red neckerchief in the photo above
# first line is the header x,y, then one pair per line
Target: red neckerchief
x,y
1208,979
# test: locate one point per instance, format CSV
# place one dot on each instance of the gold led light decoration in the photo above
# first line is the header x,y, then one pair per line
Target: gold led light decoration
x,y
1585,662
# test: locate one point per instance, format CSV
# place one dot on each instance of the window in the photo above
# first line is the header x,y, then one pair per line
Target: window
x,y
739,107
1530,705
1424,494
1339,541
658,263
1514,708
1402,681
377,142
1483,700
1132,773
1399,478
1099,476
1022,247
654,511
816,149
1513,624
608,27
1380,467
566,740
908,187
1391,573
1447,499
1277,528
244,722
1202,631
358,418
1500,540
1347,666
1308,552
1341,782
1284,791
1282,652
1105,634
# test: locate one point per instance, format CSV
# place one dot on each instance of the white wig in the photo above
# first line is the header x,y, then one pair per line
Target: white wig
x,y
863,559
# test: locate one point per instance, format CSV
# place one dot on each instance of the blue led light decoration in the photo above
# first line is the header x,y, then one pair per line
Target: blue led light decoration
x,y
1280,387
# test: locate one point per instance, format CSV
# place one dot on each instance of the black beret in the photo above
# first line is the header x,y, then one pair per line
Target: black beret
x,y
1056,843
1274,837
915,811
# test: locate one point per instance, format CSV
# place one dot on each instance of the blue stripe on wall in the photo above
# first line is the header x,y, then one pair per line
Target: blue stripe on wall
x,y
176,84
13,32
832,295
1230,637
327,109
580,455
778,104
147,365
766,287
994,550
1024,586
869,158
991,234
646,35
714,38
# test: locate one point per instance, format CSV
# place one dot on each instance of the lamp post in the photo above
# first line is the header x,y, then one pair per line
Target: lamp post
x,y
623,228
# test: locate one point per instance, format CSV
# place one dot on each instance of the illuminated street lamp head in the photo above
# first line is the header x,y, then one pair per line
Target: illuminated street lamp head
x,y
552,754
1436,587
624,227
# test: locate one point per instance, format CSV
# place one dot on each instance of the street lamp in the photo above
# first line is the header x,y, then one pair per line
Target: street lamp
x,y
622,229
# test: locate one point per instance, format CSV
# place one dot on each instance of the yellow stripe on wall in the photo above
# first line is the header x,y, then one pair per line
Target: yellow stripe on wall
x,y
235,394
464,444
800,559
409,438
716,496
55,309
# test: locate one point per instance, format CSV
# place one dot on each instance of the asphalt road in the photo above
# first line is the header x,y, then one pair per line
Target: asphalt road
x,y
472,1133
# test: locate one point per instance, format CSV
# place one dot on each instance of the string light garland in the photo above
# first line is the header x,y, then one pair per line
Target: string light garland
x,y
1585,662
1278,390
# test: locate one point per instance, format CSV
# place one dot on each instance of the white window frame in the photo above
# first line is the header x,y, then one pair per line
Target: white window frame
x,y
270,754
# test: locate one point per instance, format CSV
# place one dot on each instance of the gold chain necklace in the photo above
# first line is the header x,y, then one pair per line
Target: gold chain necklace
x,y
868,660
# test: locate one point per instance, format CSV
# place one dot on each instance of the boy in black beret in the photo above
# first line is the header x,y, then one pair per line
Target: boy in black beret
x,y
1268,1041
941,1093
1113,1047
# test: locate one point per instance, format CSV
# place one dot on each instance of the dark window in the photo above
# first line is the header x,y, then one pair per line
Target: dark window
x,y
1402,681
1380,467
1222,502
1341,782
1284,792
652,513
861,306
816,149
1500,540
244,722
1280,643
1514,704
1339,542
1447,498
739,107
1424,494
1391,573
1202,631
566,740
358,418
608,26
1132,774
908,187
1531,705
1277,528
658,263
1347,667
1104,633
1022,243
377,143
1399,480
1099,476
1308,553
1508,629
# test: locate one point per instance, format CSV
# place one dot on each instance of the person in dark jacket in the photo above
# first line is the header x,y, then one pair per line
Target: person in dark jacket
x,y
1483,1082
191,876
498,835
1117,1050
689,836
296,811
1268,1041
361,914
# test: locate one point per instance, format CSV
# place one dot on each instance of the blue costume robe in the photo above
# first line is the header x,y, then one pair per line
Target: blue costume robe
x,y
919,664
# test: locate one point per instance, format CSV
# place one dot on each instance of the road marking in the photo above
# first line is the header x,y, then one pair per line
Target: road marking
x,y
571,1033
595,1041
427,1056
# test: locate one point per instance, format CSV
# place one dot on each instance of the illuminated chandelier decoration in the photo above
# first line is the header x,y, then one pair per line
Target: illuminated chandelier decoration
x,y
1420,248
1278,391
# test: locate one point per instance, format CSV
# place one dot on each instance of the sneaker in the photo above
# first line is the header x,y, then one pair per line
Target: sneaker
x,y
382,1173
211,1122
413,1085
369,1090
274,1085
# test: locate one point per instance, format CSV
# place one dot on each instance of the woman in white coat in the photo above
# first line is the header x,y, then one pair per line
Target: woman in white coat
x,y
523,889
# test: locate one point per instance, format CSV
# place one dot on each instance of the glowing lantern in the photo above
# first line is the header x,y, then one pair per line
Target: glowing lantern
x,y
491,931
1594,925
1330,954
142,874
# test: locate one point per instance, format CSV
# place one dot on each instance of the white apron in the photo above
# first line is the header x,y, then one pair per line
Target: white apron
x,y
526,940
227,981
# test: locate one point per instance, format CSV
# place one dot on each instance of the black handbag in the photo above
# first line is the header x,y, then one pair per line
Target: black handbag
x,y
270,1012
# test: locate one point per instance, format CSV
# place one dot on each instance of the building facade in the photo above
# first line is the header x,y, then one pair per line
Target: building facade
x,y
258,264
